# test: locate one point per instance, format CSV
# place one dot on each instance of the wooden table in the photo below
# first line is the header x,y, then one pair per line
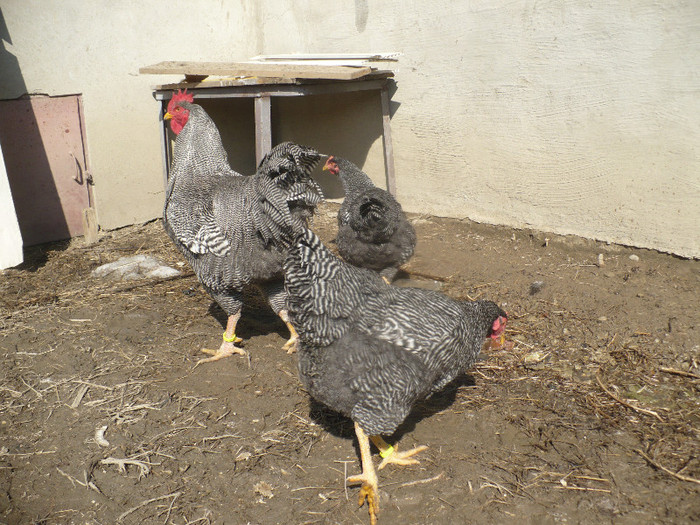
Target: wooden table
x,y
292,82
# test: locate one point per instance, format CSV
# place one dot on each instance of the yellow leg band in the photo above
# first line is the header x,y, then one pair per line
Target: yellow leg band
x,y
232,339
385,449
386,452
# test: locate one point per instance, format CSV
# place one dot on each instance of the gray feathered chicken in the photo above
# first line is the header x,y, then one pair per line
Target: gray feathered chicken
x,y
373,231
235,230
370,350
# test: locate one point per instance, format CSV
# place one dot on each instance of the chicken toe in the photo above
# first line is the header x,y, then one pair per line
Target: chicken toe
x,y
370,486
226,349
291,345
391,454
402,458
370,494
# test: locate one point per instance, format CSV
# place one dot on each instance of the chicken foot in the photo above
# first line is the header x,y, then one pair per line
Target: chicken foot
x,y
370,486
228,346
291,345
391,454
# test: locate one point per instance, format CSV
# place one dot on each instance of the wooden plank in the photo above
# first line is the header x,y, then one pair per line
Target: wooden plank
x,y
283,90
257,69
89,226
387,144
356,84
227,82
331,56
263,128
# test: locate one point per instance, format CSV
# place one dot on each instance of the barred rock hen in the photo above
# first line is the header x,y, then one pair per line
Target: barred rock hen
x,y
235,230
370,350
373,231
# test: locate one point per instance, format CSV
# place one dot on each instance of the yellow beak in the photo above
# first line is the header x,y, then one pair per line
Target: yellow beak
x,y
325,167
167,116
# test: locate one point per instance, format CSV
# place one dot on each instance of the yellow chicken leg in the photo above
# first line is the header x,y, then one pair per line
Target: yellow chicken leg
x,y
392,455
370,487
291,345
228,346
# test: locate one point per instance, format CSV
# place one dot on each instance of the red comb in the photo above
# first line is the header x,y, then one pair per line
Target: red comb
x,y
180,96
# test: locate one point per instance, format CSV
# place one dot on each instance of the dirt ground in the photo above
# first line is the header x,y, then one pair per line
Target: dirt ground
x,y
592,416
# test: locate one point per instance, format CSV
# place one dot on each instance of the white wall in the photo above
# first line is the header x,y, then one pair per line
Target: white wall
x,y
11,253
96,48
573,117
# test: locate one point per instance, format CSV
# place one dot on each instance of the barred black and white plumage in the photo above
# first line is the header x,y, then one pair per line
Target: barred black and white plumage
x,y
290,165
370,350
233,230
373,231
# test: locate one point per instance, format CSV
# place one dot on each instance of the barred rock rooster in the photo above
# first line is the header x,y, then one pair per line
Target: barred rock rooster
x,y
235,230
373,231
370,350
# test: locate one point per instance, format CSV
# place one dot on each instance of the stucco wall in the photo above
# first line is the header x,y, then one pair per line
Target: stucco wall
x,y
96,48
572,117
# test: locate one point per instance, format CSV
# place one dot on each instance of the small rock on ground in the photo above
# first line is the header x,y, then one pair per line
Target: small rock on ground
x,y
133,268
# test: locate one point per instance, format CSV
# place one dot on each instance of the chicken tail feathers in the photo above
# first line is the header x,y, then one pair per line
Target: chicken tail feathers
x,y
289,166
289,157
272,218
373,212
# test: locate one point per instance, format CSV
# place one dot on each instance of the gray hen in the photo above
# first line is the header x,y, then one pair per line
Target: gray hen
x,y
370,350
234,230
373,231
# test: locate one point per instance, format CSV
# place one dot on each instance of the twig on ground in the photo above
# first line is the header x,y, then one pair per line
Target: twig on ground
x,y
4,451
39,395
666,470
82,390
492,484
87,483
170,509
206,517
585,489
679,372
144,468
147,502
224,436
625,403
421,481
345,476
142,406
416,273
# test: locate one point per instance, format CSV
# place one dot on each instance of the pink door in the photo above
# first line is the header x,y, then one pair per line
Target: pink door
x,y
43,145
